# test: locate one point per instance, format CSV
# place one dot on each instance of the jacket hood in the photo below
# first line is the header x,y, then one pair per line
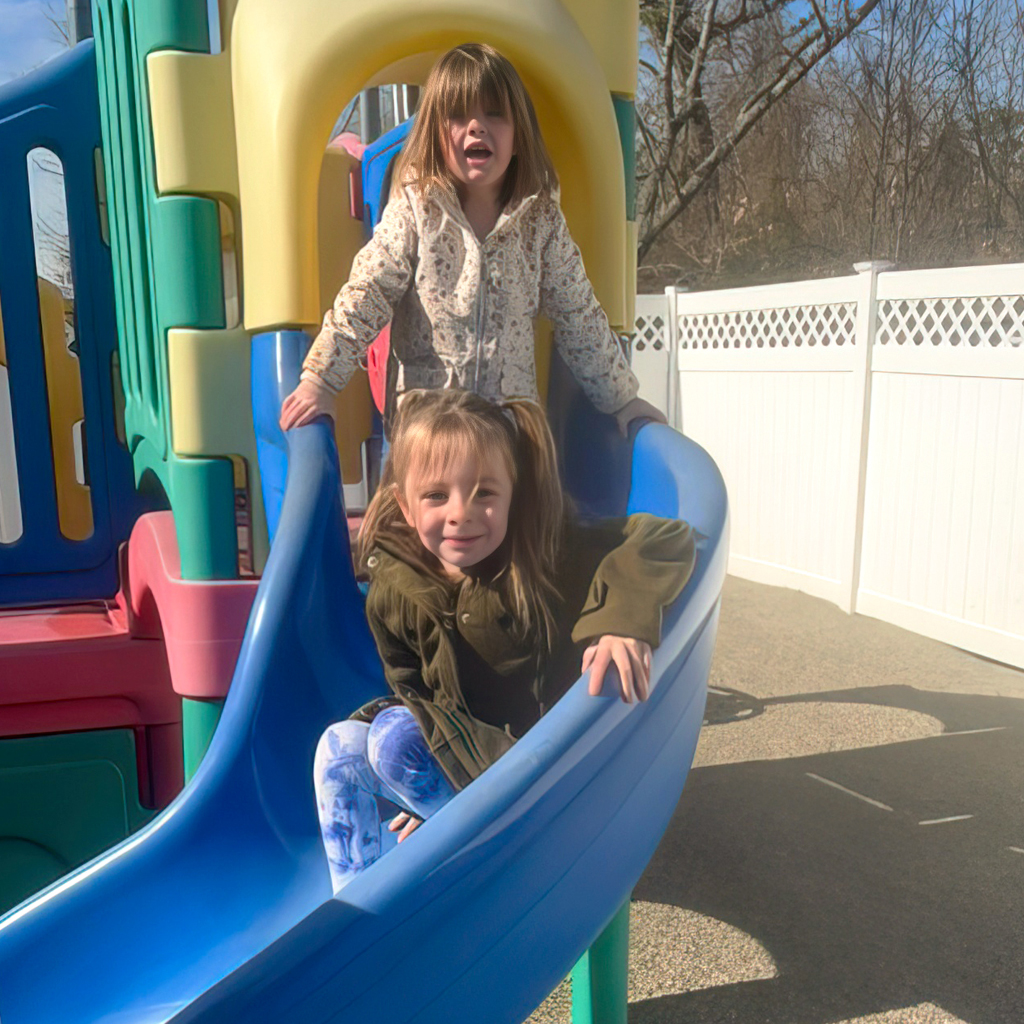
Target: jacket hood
x,y
451,206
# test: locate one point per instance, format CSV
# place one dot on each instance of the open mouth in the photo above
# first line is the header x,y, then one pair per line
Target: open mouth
x,y
477,152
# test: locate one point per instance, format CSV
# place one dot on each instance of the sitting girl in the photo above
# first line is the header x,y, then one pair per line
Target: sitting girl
x,y
486,599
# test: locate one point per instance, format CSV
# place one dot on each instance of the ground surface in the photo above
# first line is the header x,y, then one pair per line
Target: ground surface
x,y
850,844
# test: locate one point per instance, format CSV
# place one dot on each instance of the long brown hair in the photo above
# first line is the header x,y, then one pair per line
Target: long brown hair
x,y
463,75
432,430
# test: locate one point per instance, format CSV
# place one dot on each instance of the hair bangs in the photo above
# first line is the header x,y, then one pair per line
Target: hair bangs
x,y
464,76
466,82
451,440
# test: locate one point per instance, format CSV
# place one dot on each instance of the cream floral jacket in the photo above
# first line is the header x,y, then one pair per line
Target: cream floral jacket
x,y
463,310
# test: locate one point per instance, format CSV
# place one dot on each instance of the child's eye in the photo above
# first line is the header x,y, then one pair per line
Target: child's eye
x,y
436,496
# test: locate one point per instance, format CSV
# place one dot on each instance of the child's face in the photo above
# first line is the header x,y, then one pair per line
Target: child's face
x,y
480,147
461,513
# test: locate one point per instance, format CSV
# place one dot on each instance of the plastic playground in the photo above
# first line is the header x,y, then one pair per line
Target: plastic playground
x,y
179,619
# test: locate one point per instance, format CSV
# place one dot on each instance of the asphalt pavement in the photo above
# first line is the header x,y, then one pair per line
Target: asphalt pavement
x,y
849,848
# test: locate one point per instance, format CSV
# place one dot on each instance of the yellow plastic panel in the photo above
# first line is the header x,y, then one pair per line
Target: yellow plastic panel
x,y
629,312
293,70
353,421
589,167
64,390
340,235
340,238
211,412
227,14
409,70
612,28
193,123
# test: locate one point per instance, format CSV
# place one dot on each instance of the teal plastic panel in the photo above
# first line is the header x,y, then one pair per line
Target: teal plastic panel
x,y
167,271
63,799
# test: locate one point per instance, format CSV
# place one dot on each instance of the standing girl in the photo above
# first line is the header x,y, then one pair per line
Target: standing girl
x,y
471,248
486,601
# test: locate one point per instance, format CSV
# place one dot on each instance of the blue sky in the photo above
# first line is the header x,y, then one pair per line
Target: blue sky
x,y
26,37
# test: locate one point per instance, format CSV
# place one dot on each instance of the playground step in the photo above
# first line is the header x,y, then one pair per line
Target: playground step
x,y
64,669
91,620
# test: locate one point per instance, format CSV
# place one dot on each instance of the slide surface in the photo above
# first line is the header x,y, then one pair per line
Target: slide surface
x,y
221,909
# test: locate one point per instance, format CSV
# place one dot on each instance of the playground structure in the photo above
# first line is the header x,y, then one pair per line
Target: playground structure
x,y
205,244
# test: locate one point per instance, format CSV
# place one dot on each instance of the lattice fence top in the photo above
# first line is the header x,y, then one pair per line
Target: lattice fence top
x,y
984,321
830,323
651,332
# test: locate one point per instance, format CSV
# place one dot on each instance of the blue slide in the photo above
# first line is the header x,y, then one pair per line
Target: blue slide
x,y
221,911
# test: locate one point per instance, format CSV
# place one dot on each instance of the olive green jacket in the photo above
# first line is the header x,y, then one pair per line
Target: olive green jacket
x,y
615,577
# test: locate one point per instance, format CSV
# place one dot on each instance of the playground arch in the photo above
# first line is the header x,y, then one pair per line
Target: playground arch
x,y
293,68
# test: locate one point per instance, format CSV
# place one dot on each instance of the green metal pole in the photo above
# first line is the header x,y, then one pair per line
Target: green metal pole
x,y
600,978
199,719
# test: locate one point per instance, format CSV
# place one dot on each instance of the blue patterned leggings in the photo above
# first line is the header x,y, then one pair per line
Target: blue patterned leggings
x,y
356,763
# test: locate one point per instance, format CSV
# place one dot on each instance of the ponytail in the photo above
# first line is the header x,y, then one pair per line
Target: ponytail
x,y
537,521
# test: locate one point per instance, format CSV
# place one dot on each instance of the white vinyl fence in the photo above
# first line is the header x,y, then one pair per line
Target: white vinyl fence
x,y
870,430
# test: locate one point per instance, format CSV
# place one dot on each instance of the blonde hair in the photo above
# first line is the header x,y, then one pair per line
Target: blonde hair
x,y
465,74
434,429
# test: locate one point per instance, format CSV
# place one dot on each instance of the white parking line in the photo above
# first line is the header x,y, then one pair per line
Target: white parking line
x,y
1015,849
973,732
843,789
942,821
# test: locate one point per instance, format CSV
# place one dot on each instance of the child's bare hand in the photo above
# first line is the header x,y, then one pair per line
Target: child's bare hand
x,y
305,403
631,657
637,409
408,823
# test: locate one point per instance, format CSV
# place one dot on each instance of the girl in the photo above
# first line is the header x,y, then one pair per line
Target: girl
x,y
471,247
485,600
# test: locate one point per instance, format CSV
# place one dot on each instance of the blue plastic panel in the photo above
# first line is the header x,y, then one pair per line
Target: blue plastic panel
x,y
221,910
272,351
378,158
56,108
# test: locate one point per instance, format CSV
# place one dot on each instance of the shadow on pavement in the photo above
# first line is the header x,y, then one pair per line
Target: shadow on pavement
x,y
863,908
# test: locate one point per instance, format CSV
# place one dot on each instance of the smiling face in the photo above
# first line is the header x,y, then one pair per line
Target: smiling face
x,y
459,510
479,147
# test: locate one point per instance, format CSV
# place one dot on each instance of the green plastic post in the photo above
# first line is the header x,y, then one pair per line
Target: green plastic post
x,y
167,272
600,978
199,719
625,116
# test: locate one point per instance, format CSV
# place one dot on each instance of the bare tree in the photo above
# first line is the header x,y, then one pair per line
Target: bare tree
x,y
686,48
56,14
986,43
906,143
893,90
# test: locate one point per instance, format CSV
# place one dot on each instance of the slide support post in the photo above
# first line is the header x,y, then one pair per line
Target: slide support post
x,y
199,719
600,978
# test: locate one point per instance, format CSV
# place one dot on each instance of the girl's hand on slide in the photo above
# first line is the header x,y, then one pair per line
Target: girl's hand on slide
x,y
408,823
637,409
631,657
305,403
